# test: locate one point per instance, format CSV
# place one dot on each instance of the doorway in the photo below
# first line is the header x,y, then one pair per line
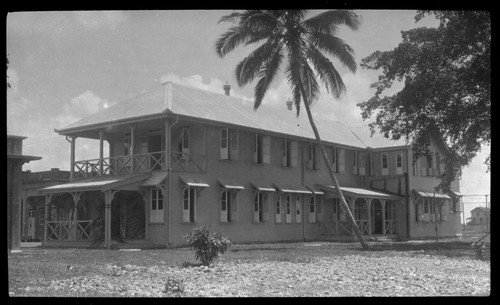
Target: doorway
x,y
31,223
377,217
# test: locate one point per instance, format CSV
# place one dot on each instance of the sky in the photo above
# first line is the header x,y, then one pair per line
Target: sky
x,y
66,65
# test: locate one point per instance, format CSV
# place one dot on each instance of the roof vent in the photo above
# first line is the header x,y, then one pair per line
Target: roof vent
x,y
289,105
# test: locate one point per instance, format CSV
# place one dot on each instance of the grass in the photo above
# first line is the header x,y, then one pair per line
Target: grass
x,y
37,267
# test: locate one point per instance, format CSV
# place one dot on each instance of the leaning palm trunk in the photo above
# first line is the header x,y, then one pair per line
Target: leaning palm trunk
x,y
345,206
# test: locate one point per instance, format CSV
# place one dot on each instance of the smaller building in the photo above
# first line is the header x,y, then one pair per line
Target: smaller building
x,y
480,219
33,202
15,161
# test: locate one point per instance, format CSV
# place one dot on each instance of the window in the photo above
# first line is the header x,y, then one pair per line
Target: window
x,y
385,164
354,162
438,164
156,212
262,149
289,156
184,140
399,163
126,144
341,159
189,205
334,159
260,199
228,205
288,203
312,209
278,209
224,144
430,165
362,163
298,209
312,157
229,146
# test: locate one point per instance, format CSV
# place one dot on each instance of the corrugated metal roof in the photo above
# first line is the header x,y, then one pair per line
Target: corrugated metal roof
x,y
206,105
428,194
360,192
96,183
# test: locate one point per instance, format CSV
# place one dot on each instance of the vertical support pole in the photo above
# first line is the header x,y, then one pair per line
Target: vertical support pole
x,y
101,151
72,161
132,145
382,203
76,198
369,206
48,198
107,218
352,206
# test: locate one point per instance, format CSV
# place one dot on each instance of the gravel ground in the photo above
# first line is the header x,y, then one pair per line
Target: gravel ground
x,y
256,274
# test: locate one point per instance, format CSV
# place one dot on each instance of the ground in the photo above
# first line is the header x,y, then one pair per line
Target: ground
x,y
449,268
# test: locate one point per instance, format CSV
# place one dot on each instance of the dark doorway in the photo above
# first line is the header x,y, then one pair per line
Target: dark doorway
x,y
377,217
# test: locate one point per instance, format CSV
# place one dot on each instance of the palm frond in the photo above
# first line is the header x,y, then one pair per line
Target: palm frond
x,y
327,22
336,47
326,71
249,67
309,83
228,41
267,75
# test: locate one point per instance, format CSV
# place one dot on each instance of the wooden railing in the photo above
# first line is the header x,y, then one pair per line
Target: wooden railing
x,y
68,230
390,227
343,227
139,163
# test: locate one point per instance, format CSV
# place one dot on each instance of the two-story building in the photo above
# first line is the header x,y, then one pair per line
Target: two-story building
x,y
479,219
181,157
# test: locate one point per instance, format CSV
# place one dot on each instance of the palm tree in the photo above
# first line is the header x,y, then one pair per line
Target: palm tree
x,y
285,36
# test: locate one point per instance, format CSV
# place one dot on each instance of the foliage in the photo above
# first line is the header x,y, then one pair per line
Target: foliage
x,y
447,87
287,37
207,245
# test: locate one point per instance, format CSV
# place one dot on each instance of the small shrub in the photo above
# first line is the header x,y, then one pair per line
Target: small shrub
x,y
207,246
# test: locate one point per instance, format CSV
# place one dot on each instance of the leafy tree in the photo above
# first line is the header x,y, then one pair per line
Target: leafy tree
x,y
447,87
287,37
207,246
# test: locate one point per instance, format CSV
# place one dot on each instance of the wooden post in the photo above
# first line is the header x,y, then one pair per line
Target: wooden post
x,y
369,205
108,197
132,144
72,161
101,151
76,198
382,203
48,198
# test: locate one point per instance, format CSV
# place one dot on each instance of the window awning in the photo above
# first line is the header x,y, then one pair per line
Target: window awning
x,y
293,189
315,191
230,185
427,194
102,183
263,187
456,194
359,192
156,179
192,181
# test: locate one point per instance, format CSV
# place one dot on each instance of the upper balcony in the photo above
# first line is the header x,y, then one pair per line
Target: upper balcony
x,y
139,163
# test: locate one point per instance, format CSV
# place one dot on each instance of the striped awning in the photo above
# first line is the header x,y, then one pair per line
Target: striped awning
x,y
427,194
456,194
156,179
230,185
315,191
193,182
262,187
297,189
360,192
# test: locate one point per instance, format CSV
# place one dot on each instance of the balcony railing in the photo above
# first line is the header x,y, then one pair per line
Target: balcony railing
x,y
139,163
